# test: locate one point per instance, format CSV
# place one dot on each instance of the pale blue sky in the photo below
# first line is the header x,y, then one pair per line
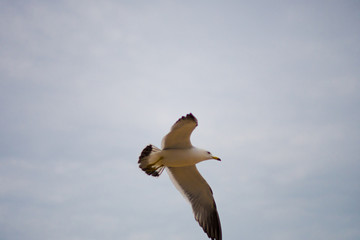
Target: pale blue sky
x,y
86,85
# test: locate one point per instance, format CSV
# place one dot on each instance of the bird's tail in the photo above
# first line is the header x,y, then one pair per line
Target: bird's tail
x,y
150,161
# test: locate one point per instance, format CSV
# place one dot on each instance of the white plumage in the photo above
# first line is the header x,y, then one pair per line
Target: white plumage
x,y
179,157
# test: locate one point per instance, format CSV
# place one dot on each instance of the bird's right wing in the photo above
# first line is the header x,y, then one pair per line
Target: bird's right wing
x,y
179,135
194,187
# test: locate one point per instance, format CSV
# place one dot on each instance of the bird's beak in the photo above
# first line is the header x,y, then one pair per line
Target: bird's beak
x,y
216,158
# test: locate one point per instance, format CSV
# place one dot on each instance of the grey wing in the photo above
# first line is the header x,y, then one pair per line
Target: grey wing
x,y
194,187
179,135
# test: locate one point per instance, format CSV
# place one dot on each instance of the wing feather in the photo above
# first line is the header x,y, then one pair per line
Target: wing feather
x,y
179,135
196,190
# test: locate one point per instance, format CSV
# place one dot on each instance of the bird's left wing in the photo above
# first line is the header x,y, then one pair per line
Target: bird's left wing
x,y
179,135
194,187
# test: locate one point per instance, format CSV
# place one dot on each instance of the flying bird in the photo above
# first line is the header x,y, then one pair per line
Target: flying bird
x,y
179,157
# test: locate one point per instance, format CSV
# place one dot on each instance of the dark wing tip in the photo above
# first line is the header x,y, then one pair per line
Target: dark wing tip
x,y
192,117
212,225
189,116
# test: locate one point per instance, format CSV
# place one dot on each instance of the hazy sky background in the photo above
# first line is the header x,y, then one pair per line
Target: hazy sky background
x,y
86,85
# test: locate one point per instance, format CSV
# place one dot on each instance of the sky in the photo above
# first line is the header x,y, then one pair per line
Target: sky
x,y
86,85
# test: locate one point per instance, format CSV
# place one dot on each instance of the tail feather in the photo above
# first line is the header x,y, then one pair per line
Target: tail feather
x,y
150,162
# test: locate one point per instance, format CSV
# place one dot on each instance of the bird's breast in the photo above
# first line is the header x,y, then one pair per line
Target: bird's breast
x,y
180,157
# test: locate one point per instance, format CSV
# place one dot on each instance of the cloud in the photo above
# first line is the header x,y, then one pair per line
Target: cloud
x,y
84,87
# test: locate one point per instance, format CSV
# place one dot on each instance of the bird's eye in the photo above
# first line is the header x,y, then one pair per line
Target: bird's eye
x,y
209,153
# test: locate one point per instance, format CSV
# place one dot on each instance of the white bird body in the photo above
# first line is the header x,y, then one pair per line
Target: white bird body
x,y
183,157
179,158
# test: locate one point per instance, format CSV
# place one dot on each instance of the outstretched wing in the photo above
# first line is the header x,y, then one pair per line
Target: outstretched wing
x,y
179,135
194,187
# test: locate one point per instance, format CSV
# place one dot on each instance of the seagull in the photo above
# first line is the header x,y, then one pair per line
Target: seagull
x,y
179,157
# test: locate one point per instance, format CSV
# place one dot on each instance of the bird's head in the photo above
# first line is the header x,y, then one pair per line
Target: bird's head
x,y
210,156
